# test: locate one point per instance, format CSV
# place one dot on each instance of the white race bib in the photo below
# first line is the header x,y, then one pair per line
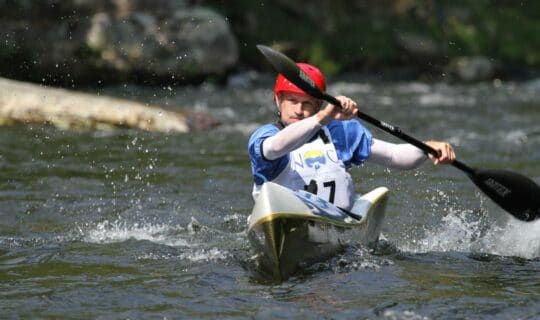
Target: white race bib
x,y
316,167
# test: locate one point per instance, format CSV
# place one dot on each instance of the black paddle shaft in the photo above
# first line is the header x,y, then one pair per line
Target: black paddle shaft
x,y
396,131
515,193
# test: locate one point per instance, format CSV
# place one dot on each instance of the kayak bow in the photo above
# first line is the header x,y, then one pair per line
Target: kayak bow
x,y
289,229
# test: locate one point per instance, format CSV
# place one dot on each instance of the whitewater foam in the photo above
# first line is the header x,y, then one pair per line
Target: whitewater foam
x,y
517,238
458,233
119,231
198,255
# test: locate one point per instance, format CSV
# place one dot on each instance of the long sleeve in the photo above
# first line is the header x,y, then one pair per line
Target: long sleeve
x,y
399,156
290,138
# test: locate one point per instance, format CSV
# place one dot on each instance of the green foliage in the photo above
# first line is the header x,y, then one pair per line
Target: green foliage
x,y
88,52
519,35
317,55
463,39
338,34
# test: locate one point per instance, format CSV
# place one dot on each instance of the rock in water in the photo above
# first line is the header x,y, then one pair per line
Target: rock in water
x,y
22,102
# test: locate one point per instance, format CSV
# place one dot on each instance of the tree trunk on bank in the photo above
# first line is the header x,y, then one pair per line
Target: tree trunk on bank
x,y
30,103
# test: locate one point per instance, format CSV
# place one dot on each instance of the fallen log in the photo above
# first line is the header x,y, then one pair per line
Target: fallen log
x,y
27,103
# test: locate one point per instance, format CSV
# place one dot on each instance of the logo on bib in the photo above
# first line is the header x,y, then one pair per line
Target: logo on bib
x,y
314,159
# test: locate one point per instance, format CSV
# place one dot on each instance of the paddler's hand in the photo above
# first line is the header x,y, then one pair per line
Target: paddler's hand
x,y
445,150
348,110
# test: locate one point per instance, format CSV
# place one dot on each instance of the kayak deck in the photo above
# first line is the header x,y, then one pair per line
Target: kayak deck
x,y
289,229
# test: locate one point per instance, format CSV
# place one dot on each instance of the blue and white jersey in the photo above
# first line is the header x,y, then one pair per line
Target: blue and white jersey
x,y
323,161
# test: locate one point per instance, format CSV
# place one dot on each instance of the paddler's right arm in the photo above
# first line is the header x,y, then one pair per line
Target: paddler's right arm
x,y
298,133
290,138
405,156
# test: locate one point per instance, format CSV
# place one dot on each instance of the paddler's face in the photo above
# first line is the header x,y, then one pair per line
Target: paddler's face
x,y
296,106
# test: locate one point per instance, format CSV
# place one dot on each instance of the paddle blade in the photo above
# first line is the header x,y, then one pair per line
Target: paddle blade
x,y
517,194
291,71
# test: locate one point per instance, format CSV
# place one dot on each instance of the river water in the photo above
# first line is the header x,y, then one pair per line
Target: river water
x,y
129,224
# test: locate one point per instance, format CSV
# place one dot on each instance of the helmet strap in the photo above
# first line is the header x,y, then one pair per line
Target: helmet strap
x,y
276,100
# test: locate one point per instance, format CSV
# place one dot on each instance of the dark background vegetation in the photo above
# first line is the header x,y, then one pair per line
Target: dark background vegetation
x,y
414,38
361,35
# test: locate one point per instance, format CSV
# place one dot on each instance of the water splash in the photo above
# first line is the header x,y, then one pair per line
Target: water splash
x,y
203,255
517,238
459,233
403,315
119,231
361,259
185,238
198,255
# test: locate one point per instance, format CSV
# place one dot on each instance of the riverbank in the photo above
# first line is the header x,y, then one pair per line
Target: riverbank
x,y
73,43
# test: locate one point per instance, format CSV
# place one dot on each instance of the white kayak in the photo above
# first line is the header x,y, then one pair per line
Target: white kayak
x,y
288,229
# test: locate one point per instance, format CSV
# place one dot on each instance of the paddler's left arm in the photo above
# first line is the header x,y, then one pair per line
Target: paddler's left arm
x,y
401,156
406,156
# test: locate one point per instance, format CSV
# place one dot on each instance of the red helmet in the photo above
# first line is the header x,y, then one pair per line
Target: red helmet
x,y
282,84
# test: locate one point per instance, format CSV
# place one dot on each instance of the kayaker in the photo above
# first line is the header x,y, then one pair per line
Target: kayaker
x,y
312,148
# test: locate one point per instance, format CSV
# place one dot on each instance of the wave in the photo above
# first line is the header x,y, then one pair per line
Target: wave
x,y
190,241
